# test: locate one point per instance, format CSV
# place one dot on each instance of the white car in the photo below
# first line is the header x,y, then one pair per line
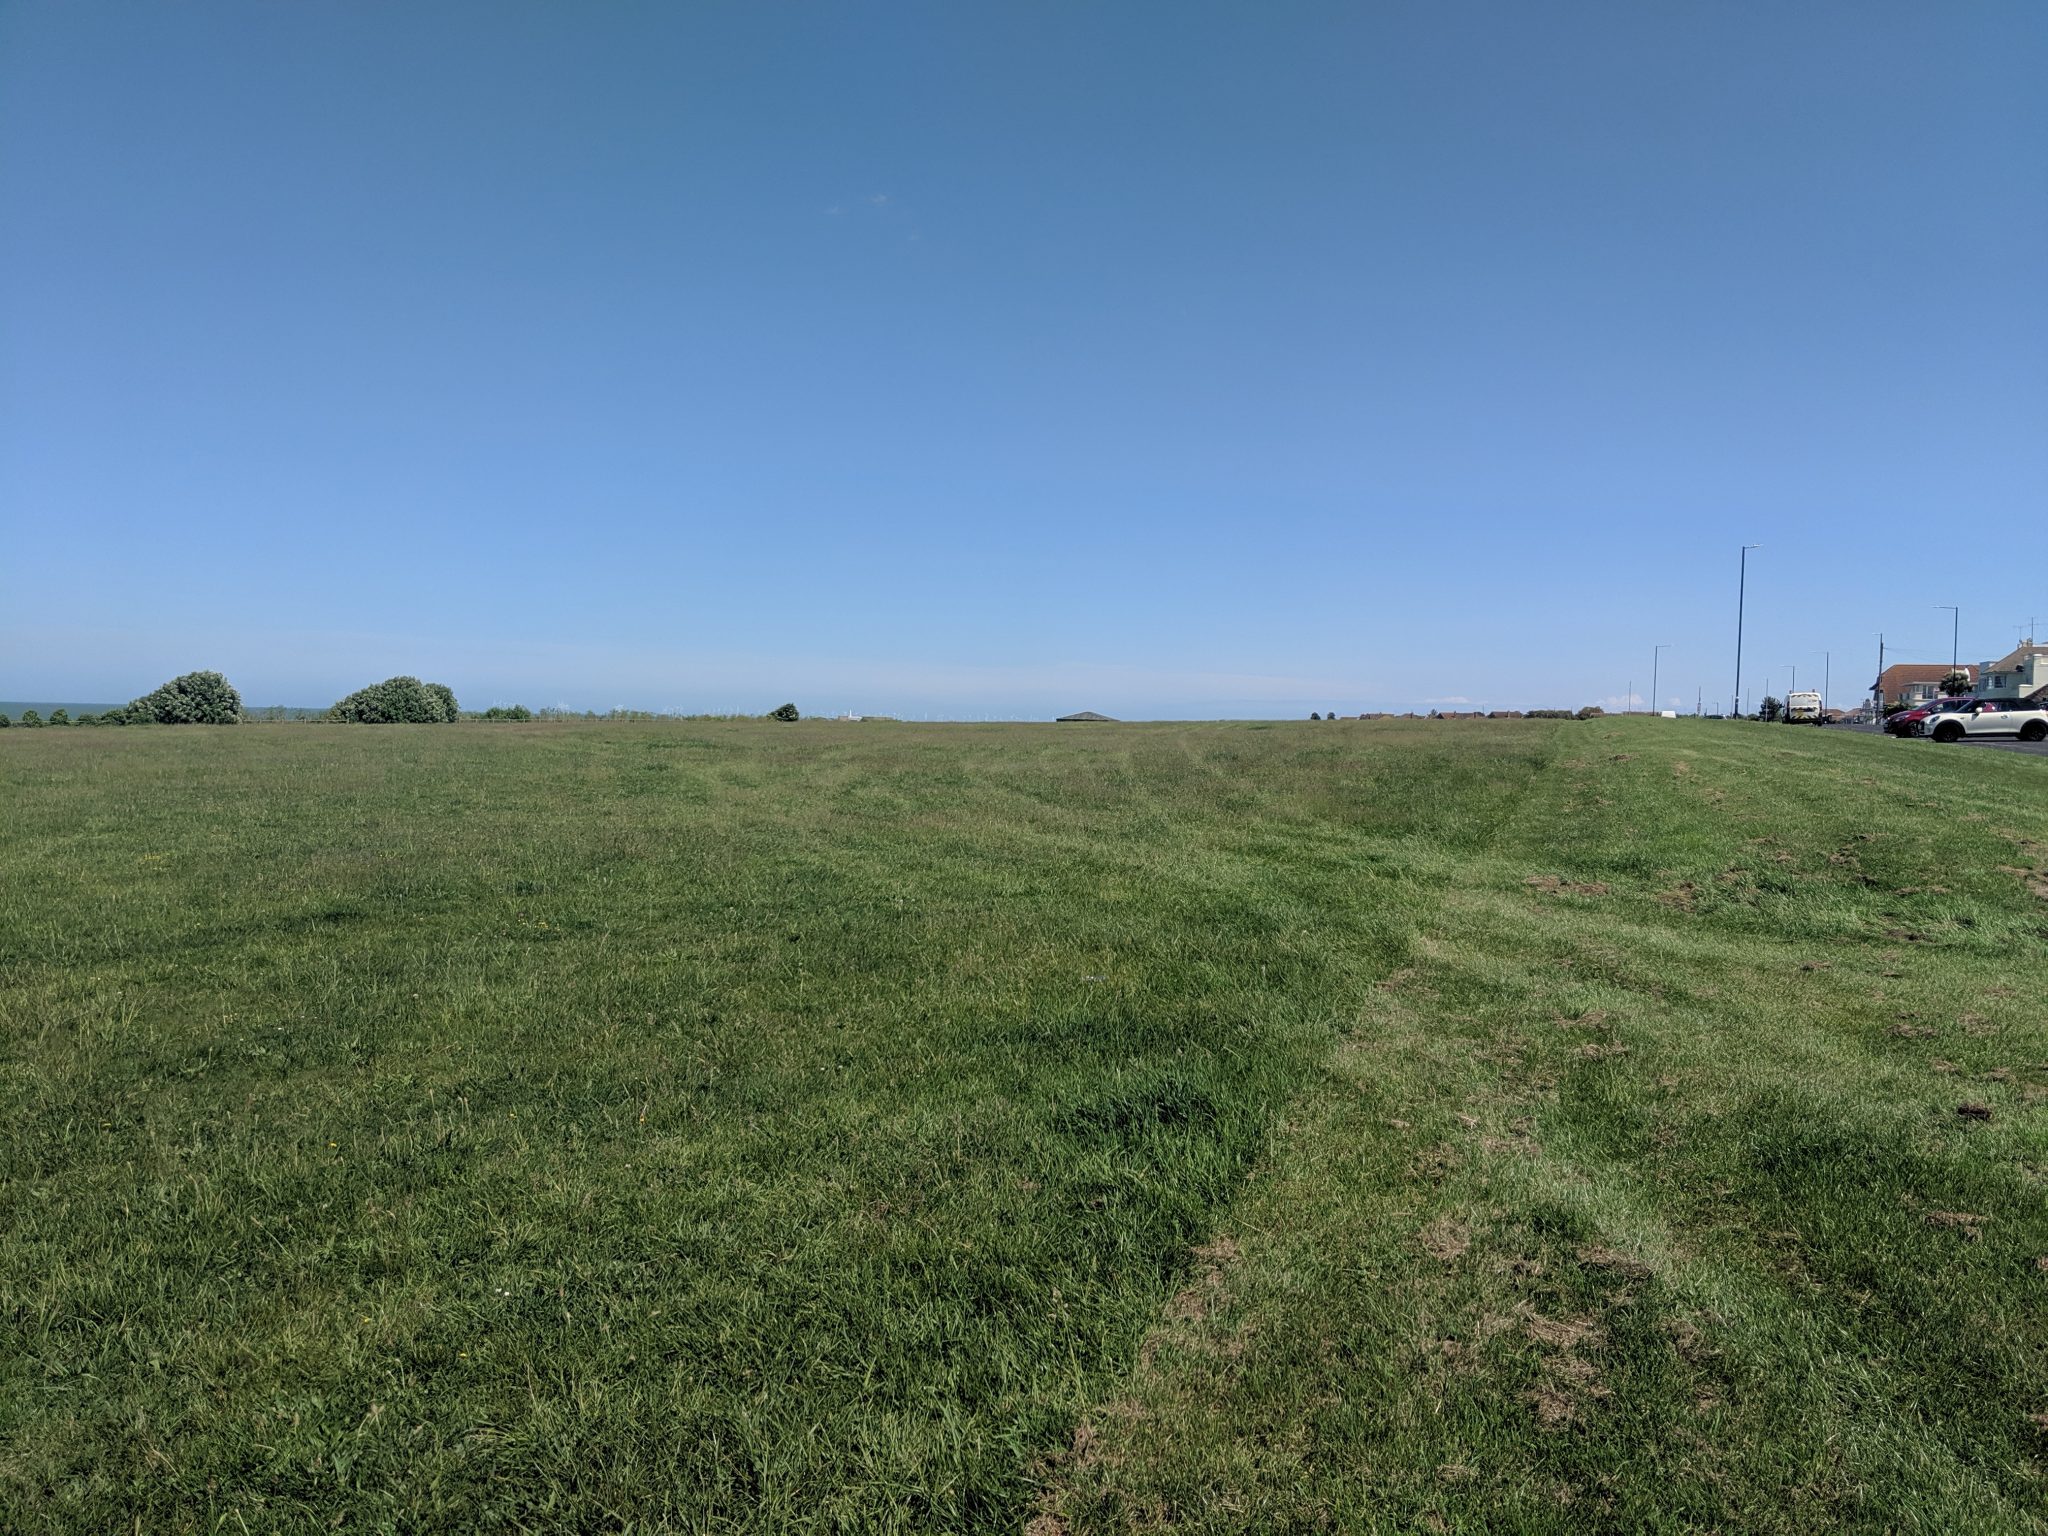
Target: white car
x,y
1954,719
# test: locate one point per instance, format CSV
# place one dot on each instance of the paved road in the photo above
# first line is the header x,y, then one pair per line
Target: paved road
x,y
1994,743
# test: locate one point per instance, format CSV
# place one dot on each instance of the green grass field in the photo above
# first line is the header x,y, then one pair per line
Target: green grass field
x,y
1517,1126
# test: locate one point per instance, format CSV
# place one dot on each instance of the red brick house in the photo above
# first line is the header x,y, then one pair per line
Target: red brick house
x,y
1912,682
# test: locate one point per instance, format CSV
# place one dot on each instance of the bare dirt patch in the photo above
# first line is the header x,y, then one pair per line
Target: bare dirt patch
x,y
1561,1332
1445,1239
1204,1293
1971,1228
1614,1261
1569,1379
1556,885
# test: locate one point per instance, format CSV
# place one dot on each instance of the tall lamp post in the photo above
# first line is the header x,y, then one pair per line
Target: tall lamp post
x,y
1656,655
1954,633
1741,594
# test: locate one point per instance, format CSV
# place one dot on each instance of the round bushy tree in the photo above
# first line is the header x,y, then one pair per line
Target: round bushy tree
x,y
783,712
30,717
398,701
197,698
5,722
60,716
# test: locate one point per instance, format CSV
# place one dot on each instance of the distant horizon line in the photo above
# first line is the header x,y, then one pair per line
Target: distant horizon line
x,y
309,713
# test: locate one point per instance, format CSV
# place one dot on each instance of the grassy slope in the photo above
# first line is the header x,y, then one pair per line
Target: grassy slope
x,y
1648,1206
732,1127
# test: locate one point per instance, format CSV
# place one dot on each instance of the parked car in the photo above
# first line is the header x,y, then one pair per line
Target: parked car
x,y
1953,719
1907,721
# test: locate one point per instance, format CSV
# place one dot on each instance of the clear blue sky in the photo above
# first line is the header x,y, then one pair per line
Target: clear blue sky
x,y
1168,359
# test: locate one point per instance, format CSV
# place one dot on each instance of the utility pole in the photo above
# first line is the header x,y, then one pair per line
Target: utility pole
x,y
1827,678
1741,594
1954,634
1656,655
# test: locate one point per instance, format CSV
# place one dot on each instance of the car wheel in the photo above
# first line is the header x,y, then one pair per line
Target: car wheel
x,y
2034,730
1948,730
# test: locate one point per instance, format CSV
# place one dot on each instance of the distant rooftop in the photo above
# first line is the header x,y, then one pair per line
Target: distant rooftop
x,y
1086,714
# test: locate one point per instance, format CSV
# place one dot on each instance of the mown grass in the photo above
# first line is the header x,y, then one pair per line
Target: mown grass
x,y
1639,1198
816,1128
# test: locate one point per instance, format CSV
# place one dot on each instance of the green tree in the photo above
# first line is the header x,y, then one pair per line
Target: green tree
x,y
1956,684
1771,708
5,722
783,712
60,716
30,718
398,701
1591,712
196,698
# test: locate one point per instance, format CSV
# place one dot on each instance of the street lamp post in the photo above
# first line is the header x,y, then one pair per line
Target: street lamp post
x,y
1741,594
1656,655
1954,633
